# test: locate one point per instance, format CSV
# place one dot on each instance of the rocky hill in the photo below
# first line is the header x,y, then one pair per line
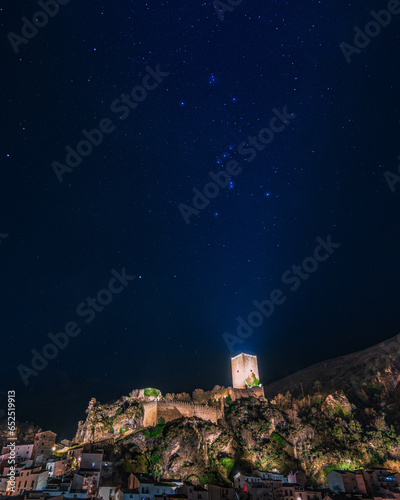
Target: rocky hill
x,y
354,373
344,413
318,433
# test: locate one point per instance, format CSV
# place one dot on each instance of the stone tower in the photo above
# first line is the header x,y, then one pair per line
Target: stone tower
x,y
244,371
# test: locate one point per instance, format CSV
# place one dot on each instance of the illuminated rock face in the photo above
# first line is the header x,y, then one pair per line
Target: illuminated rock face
x,y
244,371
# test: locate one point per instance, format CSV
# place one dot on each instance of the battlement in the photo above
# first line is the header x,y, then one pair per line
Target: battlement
x,y
249,392
173,410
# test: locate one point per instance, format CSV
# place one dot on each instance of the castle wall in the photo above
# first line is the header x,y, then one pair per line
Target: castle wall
x,y
171,411
243,366
253,392
150,414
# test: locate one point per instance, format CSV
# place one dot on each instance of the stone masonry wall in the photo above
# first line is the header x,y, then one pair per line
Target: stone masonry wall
x,y
171,411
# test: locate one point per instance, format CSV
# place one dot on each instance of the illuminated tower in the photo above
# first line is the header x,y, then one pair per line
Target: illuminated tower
x,y
244,371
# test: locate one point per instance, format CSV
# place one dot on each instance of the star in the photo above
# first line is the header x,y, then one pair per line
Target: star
x,y
212,80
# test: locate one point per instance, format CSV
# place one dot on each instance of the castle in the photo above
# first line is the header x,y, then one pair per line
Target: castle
x,y
245,381
244,371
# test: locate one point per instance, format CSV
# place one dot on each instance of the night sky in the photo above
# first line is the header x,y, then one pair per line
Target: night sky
x,y
214,85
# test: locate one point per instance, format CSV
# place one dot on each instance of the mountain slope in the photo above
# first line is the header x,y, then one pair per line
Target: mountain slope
x,y
354,373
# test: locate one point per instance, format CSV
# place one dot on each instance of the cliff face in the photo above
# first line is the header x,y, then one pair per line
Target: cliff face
x,y
318,433
110,420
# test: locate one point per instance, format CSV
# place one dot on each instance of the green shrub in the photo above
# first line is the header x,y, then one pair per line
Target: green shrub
x,y
279,440
157,431
227,463
151,392
208,479
340,411
252,381
337,433
375,390
154,459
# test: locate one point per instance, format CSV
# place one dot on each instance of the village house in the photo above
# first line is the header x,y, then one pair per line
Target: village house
x,y
22,452
58,485
3,484
148,488
239,480
298,477
112,491
268,490
31,480
57,466
43,446
274,475
216,492
378,481
75,453
345,481
192,492
89,469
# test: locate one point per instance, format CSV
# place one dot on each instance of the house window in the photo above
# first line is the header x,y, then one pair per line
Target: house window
x,y
32,483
